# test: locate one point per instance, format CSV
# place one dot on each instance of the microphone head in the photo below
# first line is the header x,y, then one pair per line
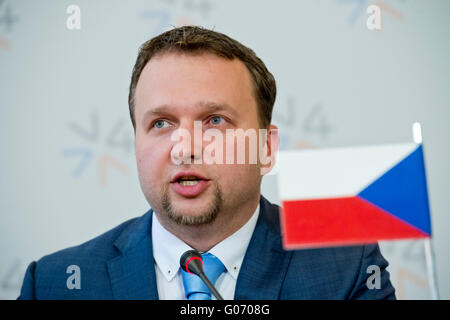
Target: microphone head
x,y
191,261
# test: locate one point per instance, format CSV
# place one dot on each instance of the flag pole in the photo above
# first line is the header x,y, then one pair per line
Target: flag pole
x,y
432,279
429,253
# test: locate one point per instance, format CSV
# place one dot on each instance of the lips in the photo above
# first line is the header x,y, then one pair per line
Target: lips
x,y
189,184
187,174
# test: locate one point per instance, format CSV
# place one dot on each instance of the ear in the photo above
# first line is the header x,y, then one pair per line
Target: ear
x,y
270,150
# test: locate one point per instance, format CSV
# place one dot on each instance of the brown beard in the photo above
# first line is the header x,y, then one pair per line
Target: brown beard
x,y
208,216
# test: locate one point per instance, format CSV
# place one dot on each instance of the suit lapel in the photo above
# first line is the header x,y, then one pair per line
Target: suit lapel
x,y
265,263
132,273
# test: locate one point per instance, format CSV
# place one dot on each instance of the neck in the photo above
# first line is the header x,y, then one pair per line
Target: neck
x,y
204,237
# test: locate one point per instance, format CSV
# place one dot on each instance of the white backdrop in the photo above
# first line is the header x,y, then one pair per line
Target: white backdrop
x,y
68,167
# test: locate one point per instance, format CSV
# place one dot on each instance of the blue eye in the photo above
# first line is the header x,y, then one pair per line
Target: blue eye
x,y
216,120
159,124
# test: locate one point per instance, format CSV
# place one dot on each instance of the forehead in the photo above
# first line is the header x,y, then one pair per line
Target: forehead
x,y
184,81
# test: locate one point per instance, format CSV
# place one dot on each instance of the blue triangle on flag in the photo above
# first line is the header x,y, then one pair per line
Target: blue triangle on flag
x,y
402,191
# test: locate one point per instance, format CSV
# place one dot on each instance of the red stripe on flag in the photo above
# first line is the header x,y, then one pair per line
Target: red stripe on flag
x,y
340,221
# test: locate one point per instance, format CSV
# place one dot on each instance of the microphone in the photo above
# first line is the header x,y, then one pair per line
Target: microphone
x,y
191,261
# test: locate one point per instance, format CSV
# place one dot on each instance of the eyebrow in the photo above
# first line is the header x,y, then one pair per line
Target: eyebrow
x,y
207,107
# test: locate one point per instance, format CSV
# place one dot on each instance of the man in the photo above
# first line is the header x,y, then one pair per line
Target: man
x,y
185,80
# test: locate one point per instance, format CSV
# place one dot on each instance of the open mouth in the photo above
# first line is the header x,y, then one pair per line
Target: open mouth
x,y
189,184
188,180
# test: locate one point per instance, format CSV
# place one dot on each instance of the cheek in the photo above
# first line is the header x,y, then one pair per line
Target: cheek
x,y
242,150
236,176
151,160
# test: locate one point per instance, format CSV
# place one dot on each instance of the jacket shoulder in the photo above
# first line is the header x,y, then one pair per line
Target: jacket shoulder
x,y
49,277
97,249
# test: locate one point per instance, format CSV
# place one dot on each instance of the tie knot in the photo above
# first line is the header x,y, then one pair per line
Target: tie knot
x,y
194,287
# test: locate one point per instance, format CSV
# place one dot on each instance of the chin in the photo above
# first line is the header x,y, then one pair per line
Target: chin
x,y
191,208
192,215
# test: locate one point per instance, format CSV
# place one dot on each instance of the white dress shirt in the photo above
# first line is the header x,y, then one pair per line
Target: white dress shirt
x,y
167,250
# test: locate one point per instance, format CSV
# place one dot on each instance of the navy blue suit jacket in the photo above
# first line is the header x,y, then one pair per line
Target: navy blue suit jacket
x,y
119,265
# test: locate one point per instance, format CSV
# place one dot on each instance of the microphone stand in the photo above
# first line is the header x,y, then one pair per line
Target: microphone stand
x,y
210,285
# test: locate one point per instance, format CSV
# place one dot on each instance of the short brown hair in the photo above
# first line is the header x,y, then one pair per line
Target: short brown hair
x,y
194,40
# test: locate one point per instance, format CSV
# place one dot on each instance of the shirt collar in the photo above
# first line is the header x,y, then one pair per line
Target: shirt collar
x,y
167,248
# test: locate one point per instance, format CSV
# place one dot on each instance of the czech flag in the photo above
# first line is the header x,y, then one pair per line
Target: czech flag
x,y
355,195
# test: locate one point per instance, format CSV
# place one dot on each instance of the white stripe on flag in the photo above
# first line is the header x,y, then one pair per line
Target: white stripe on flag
x,y
335,172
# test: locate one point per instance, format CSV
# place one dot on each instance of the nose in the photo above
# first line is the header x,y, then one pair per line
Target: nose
x,y
188,147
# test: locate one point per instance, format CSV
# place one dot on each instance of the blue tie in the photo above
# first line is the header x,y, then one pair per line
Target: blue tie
x,y
194,287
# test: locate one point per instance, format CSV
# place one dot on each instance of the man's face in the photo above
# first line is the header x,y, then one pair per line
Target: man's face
x,y
173,91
